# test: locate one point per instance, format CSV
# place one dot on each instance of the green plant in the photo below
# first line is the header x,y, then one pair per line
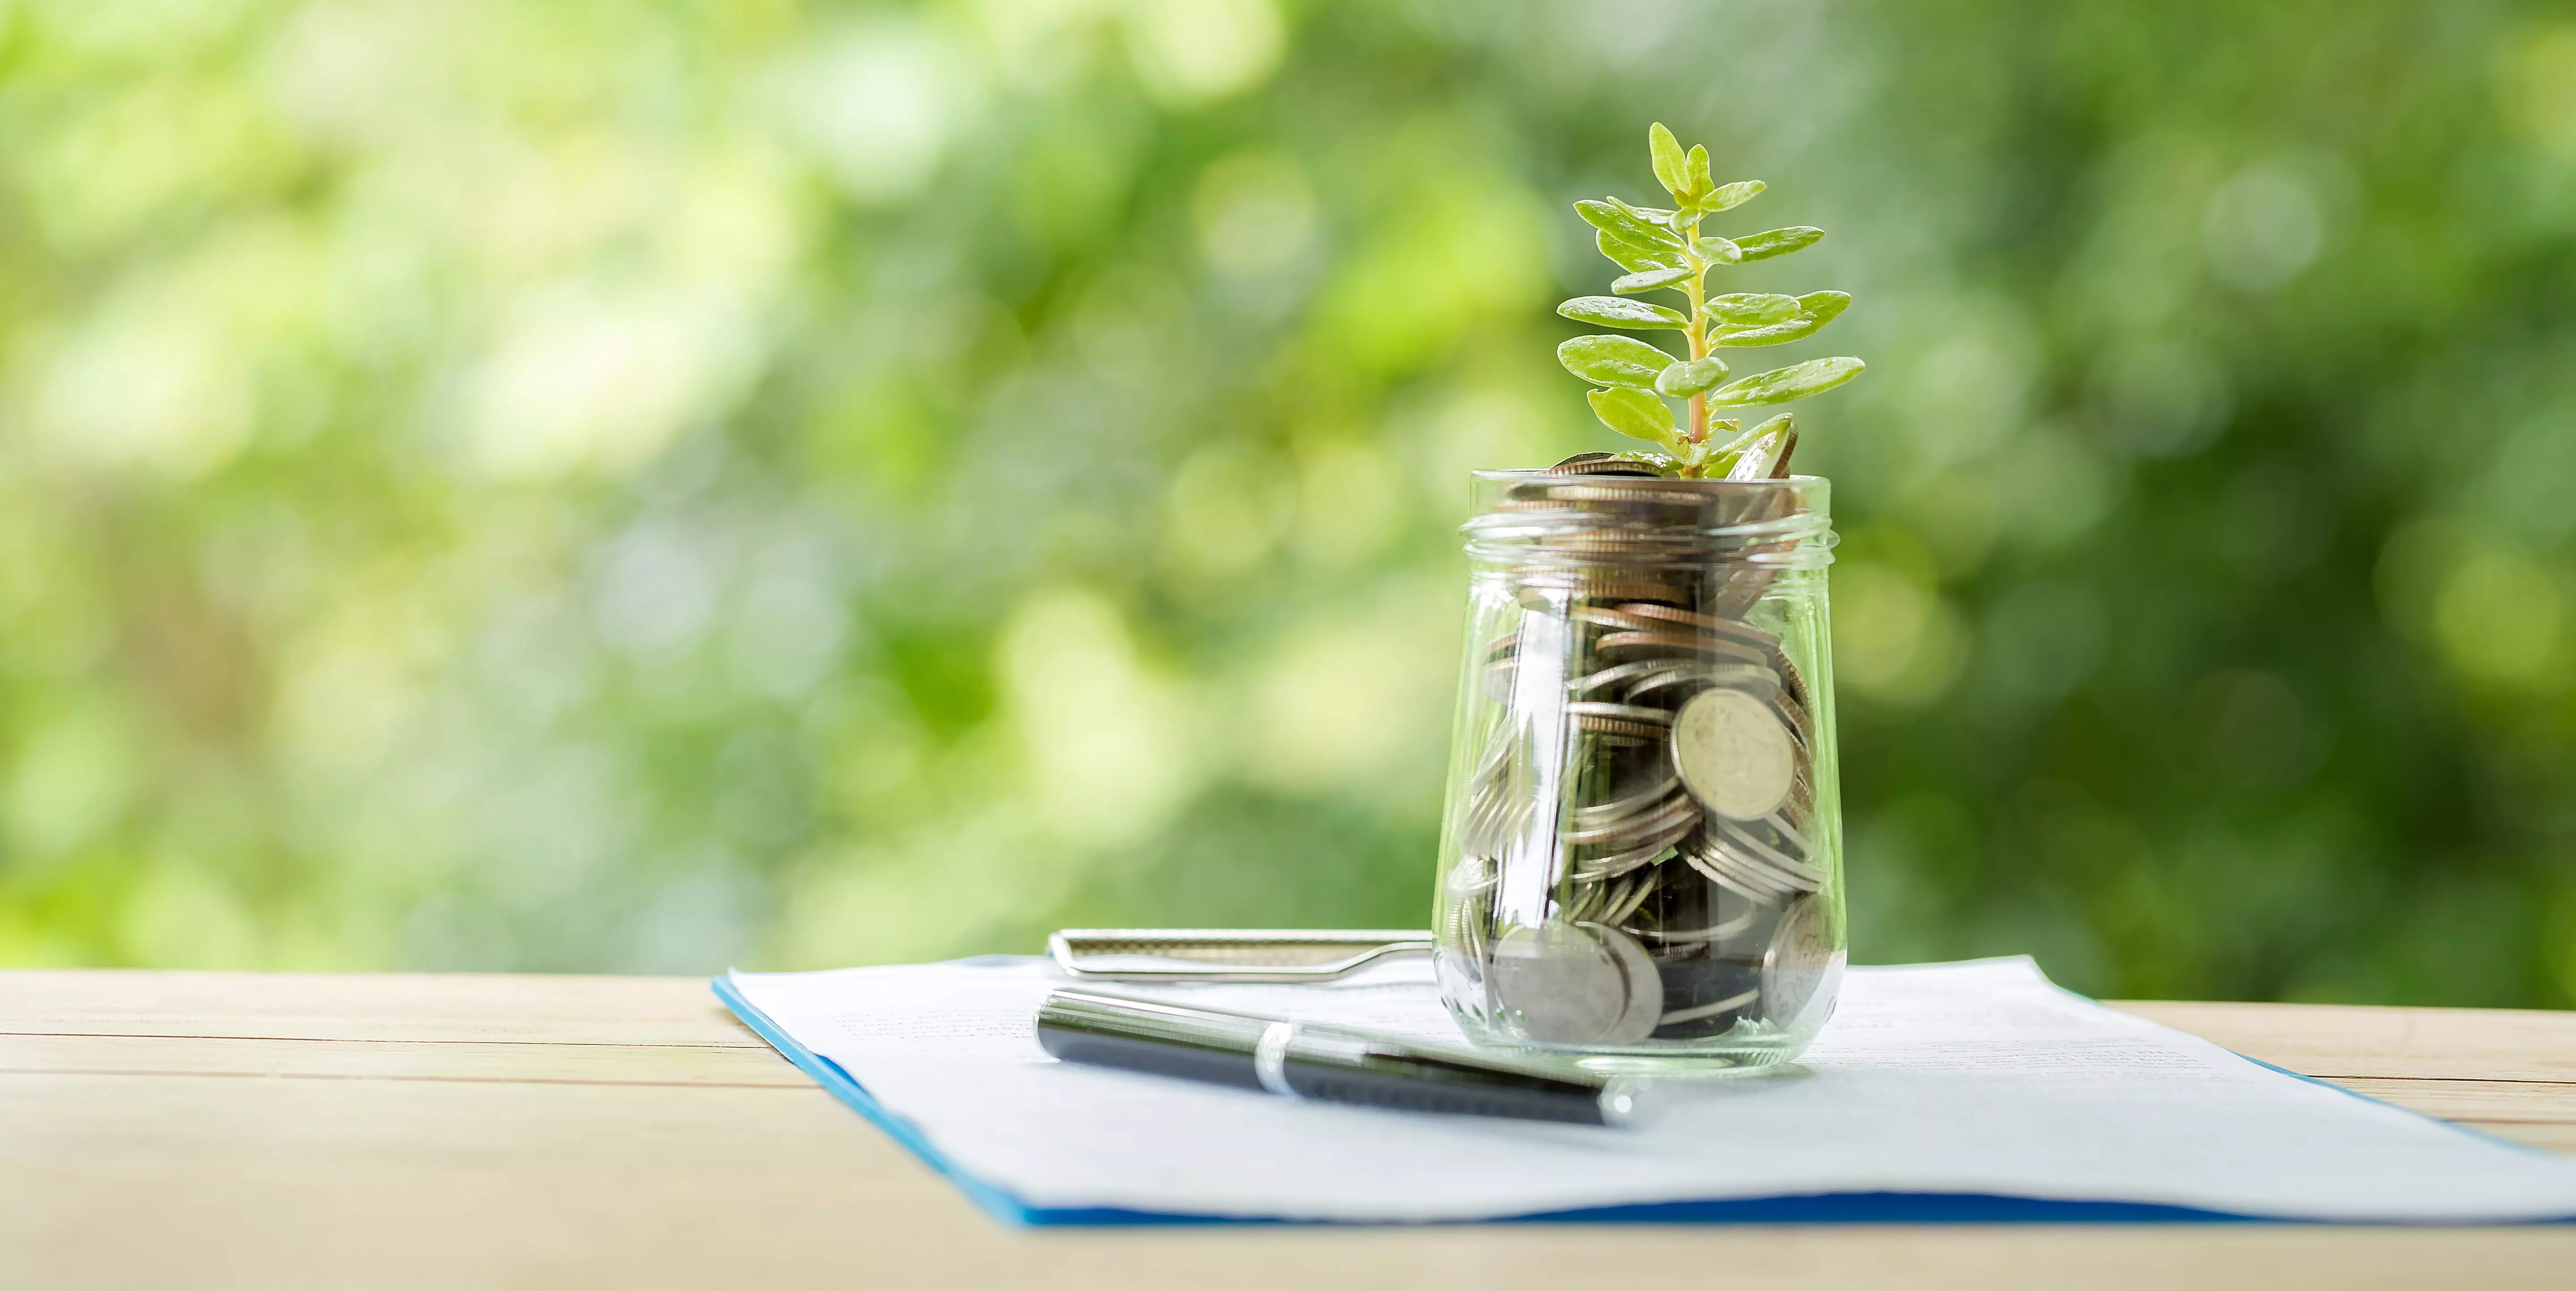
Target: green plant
x,y
1664,250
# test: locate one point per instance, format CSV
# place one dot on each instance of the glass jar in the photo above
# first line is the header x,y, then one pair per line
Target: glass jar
x,y
1641,861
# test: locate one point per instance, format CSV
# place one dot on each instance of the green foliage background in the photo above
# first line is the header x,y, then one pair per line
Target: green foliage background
x,y
641,485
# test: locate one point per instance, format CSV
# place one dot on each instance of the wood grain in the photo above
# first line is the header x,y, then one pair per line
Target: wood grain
x,y
222,1131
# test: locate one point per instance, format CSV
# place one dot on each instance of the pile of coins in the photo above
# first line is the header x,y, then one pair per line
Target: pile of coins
x,y
1635,858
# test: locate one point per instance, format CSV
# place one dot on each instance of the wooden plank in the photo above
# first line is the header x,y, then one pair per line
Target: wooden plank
x,y
2528,1101
2548,1136
597,1132
399,1060
484,1007
2341,1040
210,1182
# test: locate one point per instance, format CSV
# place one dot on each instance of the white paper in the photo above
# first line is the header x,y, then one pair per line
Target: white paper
x,y
1973,1078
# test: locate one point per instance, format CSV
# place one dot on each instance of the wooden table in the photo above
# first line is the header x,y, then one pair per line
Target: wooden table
x,y
197,1130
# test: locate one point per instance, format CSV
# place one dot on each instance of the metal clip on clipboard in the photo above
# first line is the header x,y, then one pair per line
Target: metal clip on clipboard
x,y
1228,954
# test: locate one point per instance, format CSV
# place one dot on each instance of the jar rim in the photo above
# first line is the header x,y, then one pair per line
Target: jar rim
x,y
1534,474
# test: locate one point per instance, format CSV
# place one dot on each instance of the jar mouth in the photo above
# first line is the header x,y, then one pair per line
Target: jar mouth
x,y
1534,519
1538,475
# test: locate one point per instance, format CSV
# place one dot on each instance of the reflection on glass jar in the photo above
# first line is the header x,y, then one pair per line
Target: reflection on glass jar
x,y
1641,862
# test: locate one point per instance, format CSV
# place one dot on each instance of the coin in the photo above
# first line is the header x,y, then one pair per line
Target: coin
x,y
1774,655
1627,495
1801,960
1624,712
1704,997
1473,874
1672,685
1648,731
1614,620
1705,855
1794,716
1765,855
1645,987
1618,863
1720,931
1646,799
1737,628
1733,753
1790,680
1679,811
1668,643
1604,464
1618,674
1565,984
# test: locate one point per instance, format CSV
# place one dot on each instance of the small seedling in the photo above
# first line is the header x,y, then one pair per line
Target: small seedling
x,y
1664,250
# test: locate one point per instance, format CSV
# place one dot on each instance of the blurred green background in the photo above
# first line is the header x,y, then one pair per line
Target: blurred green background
x,y
640,485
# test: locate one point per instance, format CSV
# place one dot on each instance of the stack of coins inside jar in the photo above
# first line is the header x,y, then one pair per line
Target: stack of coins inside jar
x,y
1637,854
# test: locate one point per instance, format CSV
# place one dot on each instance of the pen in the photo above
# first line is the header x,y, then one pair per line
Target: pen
x,y
1309,1060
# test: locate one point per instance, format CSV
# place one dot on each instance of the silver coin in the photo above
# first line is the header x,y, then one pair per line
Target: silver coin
x,y
1473,874
1618,674
1747,844
1618,863
1678,811
1562,981
1645,986
1618,913
1672,685
1734,754
1800,963
1673,643
1789,834
1623,712
1605,464
1728,872
1646,799
1720,931
1615,621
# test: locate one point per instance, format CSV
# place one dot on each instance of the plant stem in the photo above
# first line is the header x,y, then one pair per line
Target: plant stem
x,y
1698,333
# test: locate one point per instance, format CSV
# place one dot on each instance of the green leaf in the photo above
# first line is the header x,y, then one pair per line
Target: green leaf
x,y
1730,196
1796,329
1613,360
1713,451
1621,220
1650,280
1611,311
1698,168
1780,385
1672,169
1815,309
1718,250
1825,305
1687,378
1638,257
1753,308
1778,242
1633,412
1665,224
1767,447
1744,439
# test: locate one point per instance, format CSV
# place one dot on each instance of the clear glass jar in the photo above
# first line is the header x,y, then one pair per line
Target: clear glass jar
x,y
1641,862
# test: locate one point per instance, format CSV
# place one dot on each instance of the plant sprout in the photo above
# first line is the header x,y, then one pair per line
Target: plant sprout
x,y
1664,250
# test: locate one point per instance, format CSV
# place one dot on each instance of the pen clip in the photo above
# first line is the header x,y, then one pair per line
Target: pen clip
x,y
1227,954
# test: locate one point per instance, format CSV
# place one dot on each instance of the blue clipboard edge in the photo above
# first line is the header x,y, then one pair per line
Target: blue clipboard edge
x,y
1817,1208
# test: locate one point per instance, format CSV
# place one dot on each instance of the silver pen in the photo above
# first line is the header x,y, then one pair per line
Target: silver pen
x,y
1317,1061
